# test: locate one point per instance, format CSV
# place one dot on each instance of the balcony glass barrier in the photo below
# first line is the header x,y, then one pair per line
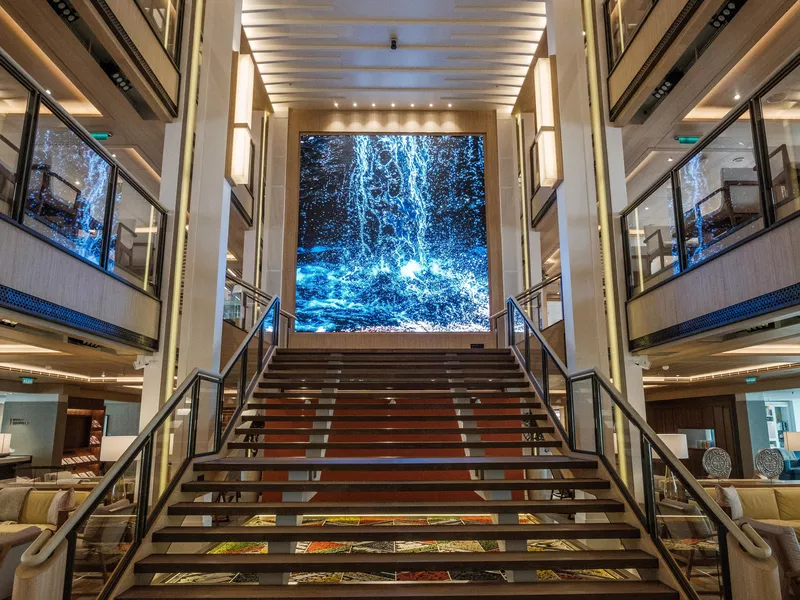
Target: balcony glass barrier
x,y
164,17
68,189
744,177
135,236
64,186
720,199
653,252
782,127
12,120
623,19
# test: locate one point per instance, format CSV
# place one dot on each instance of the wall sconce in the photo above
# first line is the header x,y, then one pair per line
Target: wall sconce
x,y
242,151
546,151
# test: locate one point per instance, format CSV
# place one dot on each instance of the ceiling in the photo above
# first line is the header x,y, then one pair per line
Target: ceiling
x,y
459,54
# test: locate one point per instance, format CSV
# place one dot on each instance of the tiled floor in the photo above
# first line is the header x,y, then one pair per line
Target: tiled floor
x,y
380,547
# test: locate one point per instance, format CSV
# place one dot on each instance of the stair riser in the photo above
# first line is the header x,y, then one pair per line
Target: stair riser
x,y
389,486
388,446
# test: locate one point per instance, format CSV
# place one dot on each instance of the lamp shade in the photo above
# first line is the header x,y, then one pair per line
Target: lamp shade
x,y
114,446
791,440
677,443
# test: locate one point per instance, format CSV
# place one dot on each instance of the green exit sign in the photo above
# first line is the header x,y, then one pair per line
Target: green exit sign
x,y
687,139
100,136
750,379
28,380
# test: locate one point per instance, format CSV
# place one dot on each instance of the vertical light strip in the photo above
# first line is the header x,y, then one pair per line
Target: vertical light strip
x,y
150,228
604,212
639,242
526,258
261,199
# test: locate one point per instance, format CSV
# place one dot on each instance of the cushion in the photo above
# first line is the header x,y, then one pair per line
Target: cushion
x,y
759,503
36,506
6,528
780,523
788,503
785,538
64,500
80,497
12,499
729,496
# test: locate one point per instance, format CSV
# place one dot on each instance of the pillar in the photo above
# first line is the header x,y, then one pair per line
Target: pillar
x,y
274,206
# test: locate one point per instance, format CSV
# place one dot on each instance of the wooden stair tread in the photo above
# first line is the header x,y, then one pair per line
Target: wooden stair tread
x,y
397,508
582,483
474,590
258,463
380,394
379,533
391,445
395,407
402,418
368,562
391,351
487,369
393,375
382,361
389,431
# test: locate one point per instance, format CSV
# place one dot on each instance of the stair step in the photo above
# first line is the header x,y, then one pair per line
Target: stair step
x,y
402,418
453,370
558,590
393,352
398,508
416,385
395,407
381,361
389,394
389,446
391,431
392,375
588,483
372,563
476,463
409,533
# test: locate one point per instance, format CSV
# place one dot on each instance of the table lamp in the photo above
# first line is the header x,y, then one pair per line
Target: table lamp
x,y
679,446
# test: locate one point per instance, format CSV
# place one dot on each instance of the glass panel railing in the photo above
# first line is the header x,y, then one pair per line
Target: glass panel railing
x,y
653,253
719,191
136,230
68,189
171,446
689,532
12,119
551,308
164,18
624,17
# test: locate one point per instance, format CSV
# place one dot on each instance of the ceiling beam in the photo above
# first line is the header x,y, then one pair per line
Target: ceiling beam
x,y
515,71
525,49
253,18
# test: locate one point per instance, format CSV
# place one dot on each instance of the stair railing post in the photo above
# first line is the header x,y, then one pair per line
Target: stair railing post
x,y
261,346
527,348
72,546
276,324
243,375
193,419
649,486
545,378
570,408
598,418
510,322
722,537
143,497
218,420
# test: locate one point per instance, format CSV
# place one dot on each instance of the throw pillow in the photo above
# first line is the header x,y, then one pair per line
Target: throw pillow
x,y
63,500
12,499
730,497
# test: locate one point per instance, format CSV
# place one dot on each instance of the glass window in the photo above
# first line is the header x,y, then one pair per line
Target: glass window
x,y
781,109
135,236
164,16
719,193
624,18
13,103
652,240
68,188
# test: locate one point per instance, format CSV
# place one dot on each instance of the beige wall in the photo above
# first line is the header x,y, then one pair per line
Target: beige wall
x,y
421,122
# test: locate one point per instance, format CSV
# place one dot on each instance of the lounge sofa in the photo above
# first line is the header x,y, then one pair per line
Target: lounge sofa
x,y
21,508
773,505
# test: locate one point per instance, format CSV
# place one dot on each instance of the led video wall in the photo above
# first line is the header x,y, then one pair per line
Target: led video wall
x,y
392,234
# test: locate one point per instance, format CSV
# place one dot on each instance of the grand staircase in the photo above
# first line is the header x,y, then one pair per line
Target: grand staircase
x,y
419,474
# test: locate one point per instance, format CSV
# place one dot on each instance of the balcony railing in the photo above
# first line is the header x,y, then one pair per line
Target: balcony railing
x,y
58,183
741,180
624,18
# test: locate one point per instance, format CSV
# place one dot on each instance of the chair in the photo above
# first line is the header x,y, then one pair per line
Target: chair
x,y
786,548
684,527
101,540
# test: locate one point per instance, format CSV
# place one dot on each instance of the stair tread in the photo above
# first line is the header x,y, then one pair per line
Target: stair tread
x,y
396,407
339,372
453,417
367,562
378,533
392,445
582,483
259,463
399,508
474,590
389,431
366,394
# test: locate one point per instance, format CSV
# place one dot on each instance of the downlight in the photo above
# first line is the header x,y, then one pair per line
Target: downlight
x,y
65,10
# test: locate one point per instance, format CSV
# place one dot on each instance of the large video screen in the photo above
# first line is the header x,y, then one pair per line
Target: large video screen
x,y
392,234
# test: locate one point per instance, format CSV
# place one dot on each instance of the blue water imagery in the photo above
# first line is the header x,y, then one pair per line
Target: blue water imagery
x,y
392,234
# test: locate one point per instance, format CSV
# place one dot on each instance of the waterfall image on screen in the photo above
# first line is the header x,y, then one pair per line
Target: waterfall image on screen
x,y
392,234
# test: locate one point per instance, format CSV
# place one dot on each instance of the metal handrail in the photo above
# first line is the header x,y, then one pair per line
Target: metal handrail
x,y
746,536
526,295
46,545
257,292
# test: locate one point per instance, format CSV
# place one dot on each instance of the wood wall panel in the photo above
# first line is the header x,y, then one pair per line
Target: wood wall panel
x,y
382,122
32,266
715,412
762,265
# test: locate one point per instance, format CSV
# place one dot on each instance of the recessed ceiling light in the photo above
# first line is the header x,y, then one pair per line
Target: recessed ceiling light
x,y
737,97
412,105
393,105
373,105
449,106
336,104
77,183
431,105
670,159
47,92
113,156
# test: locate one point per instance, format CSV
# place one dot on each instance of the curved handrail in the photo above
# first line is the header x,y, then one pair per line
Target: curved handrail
x,y
747,537
35,558
257,292
526,295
